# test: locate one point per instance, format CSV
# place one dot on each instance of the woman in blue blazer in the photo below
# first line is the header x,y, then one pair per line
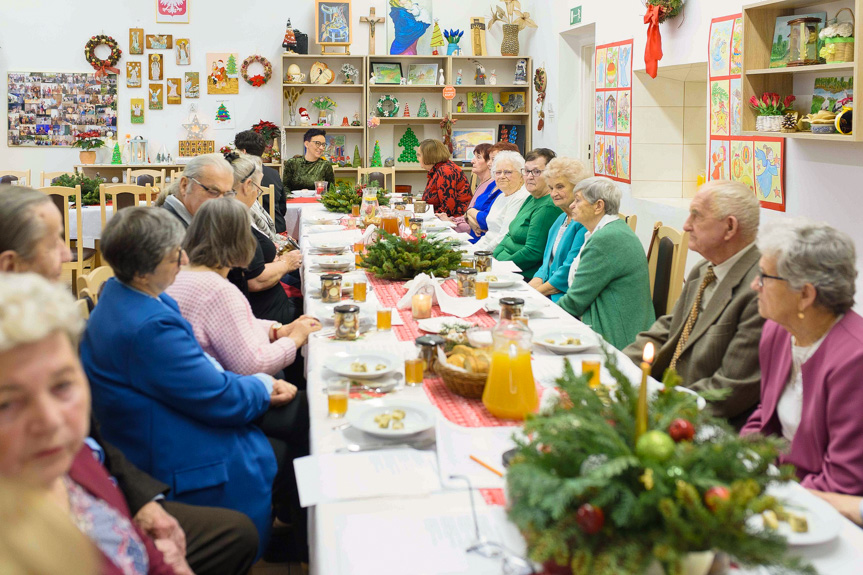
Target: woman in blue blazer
x,y
566,236
171,409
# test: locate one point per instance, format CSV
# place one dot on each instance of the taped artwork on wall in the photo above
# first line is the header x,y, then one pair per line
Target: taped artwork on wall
x,y
613,112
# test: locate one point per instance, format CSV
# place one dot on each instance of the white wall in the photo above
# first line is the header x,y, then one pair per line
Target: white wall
x,y
49,36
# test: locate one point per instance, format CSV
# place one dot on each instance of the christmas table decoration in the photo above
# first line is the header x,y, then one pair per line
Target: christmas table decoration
x,y
590,498
513,22
89,187
437,39
102,67
257,80
396,258
376,156
423,111
343,195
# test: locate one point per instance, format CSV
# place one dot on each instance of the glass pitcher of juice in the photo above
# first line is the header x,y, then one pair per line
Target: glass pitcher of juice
x,y
369,209
510,392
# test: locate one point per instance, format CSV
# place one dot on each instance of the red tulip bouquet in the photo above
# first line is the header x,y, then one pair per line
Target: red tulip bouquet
x,y
771,104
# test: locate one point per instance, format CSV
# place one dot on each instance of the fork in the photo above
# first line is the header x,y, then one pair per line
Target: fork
x,y
354,447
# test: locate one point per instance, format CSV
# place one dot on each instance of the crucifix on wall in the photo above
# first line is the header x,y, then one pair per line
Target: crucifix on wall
x,y
372,21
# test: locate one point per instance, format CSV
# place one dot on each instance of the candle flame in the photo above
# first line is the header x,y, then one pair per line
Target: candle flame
x,y
648,353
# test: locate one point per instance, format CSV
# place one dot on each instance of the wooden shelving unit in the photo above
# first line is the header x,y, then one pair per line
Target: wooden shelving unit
x,y
759,20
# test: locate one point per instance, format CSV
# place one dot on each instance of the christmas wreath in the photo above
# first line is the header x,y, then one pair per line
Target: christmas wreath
x,y
257,80
668,9
102,67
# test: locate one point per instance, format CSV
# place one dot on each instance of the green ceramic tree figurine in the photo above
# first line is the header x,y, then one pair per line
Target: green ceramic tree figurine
x,y
117,158
424,112
376,156
358,163
409,142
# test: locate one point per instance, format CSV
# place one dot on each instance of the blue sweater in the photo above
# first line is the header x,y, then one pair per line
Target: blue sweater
x,y
483,204
557,272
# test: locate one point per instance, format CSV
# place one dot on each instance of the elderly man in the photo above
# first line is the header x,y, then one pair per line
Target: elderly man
x,y
215,540
205,178
711,338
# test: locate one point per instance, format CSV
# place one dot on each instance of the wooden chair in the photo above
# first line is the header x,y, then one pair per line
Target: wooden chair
x,y
84,306
91,284
379,175
631,221
125,196
269,192
19,178
155,178
81,256
176,174
666,260
47,178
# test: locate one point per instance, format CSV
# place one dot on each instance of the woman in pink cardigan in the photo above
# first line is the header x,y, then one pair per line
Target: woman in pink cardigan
x,y
811,354
218,239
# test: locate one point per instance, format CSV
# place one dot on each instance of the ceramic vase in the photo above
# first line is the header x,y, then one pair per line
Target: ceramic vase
x,y
87,157
768,123
509,46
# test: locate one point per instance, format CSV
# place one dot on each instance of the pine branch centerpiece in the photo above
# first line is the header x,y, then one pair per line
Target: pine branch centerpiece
x,y
343,195
396,258
590,499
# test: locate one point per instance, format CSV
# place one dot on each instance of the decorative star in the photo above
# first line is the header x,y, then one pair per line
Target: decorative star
x,y
195,129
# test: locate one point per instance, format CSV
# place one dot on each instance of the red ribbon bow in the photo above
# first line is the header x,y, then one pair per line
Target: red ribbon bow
x,y
653,49
104,69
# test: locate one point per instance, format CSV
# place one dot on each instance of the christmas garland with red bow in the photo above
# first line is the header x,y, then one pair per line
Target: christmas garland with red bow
x,y
257,80
102,67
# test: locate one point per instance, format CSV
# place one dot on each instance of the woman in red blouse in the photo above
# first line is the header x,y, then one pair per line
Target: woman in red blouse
x,y
448,189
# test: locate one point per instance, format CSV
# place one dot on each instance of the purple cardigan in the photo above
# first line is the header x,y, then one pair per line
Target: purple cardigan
x,y
827,449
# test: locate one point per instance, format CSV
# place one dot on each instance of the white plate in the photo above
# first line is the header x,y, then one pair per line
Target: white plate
x,y
418,417
435,324
824,521
323,222
304,193
503,279
328,246
324,228
334,263
587,340
342,365
435,226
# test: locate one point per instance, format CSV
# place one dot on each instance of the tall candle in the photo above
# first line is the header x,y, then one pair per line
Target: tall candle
x,y
641,407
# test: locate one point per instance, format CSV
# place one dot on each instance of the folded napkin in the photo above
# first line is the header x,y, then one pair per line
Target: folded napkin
x,y
459,307
504,267
367,235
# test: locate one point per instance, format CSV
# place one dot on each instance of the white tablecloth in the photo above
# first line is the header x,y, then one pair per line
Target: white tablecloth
x,y
91,223
332,525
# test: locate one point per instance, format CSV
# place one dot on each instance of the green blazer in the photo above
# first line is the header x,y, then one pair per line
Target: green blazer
x,y
611,288
528,233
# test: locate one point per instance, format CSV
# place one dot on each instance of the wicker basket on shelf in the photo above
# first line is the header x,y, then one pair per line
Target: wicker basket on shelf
x,y
839,49
461,382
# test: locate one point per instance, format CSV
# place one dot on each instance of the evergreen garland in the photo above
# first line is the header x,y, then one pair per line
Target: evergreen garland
x,y
343,195
670,8
396,258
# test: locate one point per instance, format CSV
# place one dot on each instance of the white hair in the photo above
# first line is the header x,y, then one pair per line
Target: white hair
x,y
195,169
600,188
514,159
32,308
729,198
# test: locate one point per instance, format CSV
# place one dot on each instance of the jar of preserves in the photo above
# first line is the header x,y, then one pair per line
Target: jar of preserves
x,y
511,307
466,281
331,288
427,349
347,321
482,261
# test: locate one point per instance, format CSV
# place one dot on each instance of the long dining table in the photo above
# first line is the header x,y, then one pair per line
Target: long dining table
x,y
429,532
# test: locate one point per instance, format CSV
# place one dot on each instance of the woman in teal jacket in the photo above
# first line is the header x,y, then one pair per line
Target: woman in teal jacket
x,y
609,285
566,236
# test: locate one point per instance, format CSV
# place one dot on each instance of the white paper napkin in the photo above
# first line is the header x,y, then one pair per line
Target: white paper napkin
x,y
504,267
457,306
413,287
368,233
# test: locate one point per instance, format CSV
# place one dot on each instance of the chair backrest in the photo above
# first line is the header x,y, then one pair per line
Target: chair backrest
x,y
667,262
84,305
403,188
378,175
93,282
631,220
269,192
155,178
62,198
176,174
47,178
124,196
19,177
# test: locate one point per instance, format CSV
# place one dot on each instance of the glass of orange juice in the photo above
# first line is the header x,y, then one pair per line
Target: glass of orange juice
x,y
355,210
385,319
337,398
480,289
593,367
414,368
360,290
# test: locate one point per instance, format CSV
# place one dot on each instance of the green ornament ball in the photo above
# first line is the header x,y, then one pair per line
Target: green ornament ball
x,y
655,445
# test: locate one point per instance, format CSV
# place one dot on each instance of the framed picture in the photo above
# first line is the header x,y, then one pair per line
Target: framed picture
x,y
159,42
464,141
172,12
133,74
410,27
333,22
156,96
513,134
136,106
184,54
173,88
136,41
155,65
387,72
422,74
513,102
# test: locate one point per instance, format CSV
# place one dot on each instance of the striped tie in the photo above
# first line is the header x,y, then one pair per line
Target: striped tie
x,y
709,278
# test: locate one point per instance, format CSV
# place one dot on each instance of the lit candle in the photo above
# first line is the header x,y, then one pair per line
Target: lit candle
x,y
421,305
641,408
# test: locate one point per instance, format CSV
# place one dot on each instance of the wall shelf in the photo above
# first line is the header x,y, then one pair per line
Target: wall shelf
x,y
827,68
803,136
327,128
490,115
327,87
405,88
409,120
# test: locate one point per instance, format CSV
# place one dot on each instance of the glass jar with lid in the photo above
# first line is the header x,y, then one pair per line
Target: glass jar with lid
x,y
482,261
427,350
331,288
511,308
466,281
347,321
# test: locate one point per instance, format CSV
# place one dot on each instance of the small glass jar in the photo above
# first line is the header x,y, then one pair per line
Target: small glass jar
x,y
331,288
482,261
416,226
420,206
466,281
347,321
427,350
511,307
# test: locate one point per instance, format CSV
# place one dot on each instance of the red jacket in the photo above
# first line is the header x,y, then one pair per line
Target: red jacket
x,y
448,189
92,477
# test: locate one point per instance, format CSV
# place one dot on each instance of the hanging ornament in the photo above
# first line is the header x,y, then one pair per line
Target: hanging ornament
x,y
590,519
257,80
668,9
540,83
647,478
681,430
655,445
715,495
102,67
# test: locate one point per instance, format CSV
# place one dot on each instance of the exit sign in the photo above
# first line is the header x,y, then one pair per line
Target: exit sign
x,y
575,15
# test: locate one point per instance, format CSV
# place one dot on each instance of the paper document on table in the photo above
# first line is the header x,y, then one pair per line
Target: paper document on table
x,y
456,444
499,267
384,473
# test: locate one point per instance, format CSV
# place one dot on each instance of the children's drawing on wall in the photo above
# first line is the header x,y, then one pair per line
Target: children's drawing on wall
x,y
624,66
832,94
155,64
768,162
720,47
598,162
719,102
610,112
623,112
156,96
409,27
224,119
600,67
191,85
136,41
599,111
736,107
333,22
611,68
222,74
623,157
133,74
741,163
718,160
737,48
610,157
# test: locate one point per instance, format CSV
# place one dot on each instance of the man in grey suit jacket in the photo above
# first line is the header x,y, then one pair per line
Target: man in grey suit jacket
x,y
721,350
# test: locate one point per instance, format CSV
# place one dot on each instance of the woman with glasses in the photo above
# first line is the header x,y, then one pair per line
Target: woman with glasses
x,y
811,354
473,221
506,170
301,172
527,235
447,190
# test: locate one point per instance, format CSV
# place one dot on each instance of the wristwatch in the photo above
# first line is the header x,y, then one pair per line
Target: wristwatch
x,y
275,329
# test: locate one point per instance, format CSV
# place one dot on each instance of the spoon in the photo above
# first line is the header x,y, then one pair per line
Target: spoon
x,y
354,448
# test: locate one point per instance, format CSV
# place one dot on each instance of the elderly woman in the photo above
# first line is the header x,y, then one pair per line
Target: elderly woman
x,y
301,172
566,236
260,280
484,194
609,284
506,170
220,238
204,178
527,235
173,410
45,401
31,233
811,354
447,190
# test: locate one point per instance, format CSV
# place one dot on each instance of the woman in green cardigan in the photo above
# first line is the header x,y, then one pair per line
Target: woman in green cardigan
x,y
609,285
524,243
301,172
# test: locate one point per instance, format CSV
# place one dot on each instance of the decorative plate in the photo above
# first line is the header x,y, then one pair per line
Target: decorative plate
x,y
321,74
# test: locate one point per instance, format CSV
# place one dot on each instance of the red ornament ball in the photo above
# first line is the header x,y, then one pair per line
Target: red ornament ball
x,y
714,495
590,519
681,430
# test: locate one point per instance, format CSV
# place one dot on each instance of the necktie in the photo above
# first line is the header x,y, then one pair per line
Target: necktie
x,y
709,278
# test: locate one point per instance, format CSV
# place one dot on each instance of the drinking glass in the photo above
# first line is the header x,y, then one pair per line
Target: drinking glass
x,y
593,367
385,318
320,188
414,368
481,289
337,398
360,290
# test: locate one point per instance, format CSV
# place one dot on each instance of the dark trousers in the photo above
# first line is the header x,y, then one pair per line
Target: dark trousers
x,y
218,541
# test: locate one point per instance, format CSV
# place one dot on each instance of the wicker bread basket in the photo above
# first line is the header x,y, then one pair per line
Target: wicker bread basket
x,y
461,382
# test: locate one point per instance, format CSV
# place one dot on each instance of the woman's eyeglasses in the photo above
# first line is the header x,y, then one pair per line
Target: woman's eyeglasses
x,y
761,275
503,173
534,173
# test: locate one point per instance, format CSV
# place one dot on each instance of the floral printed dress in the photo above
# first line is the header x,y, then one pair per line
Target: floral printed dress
x,y
448,189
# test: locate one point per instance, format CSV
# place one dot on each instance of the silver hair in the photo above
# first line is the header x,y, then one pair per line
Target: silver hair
x,y
514,159
20,230
244,167
729,198
599,188
194,169
32,308
808,252
136,240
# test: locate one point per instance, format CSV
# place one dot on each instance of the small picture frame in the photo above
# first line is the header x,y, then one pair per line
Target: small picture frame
x,y
333,22
136,41
184,52
174,89
513,102
387,72
155,67
160,41
422,74
133,75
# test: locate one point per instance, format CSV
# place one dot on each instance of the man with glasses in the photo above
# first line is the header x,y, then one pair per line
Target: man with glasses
x,y
205,178
301,172
711,337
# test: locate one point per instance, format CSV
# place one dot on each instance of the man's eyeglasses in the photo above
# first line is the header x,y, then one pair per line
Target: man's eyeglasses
x,y
318,144
761,275
212,192
503,173
534,173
